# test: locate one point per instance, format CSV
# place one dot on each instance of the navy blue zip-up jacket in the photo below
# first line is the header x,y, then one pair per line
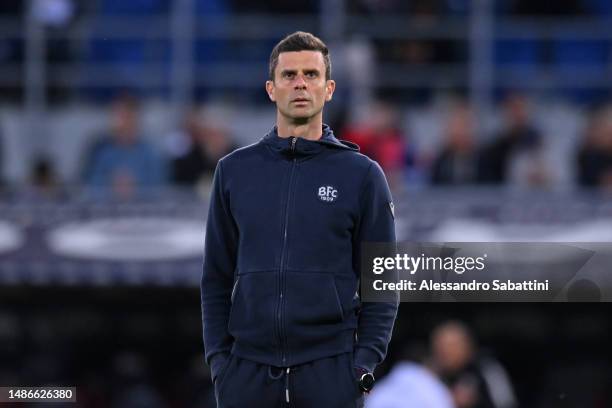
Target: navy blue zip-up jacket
x,y
281,265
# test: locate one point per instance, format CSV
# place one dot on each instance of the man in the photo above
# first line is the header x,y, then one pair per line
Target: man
x,y
283,322
207,143
515,154
475,381
121,160
458,161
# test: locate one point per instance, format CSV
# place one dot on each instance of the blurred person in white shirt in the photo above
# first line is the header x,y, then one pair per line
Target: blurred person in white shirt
x,y
410,385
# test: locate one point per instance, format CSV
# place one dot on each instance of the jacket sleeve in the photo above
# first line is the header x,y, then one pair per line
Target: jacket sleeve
x,y
218,275
376,224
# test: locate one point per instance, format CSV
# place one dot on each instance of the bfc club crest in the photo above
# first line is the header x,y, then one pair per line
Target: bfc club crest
x,y
328,194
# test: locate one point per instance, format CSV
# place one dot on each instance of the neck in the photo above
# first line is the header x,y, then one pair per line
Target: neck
x,y
310,129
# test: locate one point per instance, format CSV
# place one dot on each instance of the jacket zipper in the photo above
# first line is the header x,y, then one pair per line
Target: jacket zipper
x,y
233,295
292,142
287,385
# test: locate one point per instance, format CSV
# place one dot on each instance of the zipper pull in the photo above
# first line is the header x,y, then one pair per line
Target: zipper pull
x,y
293,141
287,385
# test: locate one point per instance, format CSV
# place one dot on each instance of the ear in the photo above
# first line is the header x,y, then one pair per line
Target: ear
x,y
270,90
330,87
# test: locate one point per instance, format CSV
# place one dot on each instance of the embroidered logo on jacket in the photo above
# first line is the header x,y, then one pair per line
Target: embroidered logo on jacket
x,y
327,194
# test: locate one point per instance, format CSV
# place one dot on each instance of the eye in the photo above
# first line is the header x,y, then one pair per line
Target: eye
x,y
311,74
289,75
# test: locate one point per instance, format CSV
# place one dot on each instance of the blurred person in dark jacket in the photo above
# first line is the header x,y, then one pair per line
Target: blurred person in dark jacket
x,y
458,161
594,158
208,142
515,153
475,381
121,160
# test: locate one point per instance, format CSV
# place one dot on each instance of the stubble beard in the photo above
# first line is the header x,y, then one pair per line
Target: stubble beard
x,y
299,120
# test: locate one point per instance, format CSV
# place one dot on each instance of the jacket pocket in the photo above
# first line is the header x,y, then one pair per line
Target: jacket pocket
x,y
312,299
251,320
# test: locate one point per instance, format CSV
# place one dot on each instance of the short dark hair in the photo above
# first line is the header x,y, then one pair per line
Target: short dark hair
x,y
300,41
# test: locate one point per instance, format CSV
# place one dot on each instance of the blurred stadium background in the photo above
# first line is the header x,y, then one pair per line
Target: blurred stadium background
x,y
492,120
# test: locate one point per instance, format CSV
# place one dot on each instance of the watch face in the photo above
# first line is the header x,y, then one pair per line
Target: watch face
x,y
367,382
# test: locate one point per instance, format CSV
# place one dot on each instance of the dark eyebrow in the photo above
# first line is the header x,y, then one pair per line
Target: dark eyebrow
x,y
306,71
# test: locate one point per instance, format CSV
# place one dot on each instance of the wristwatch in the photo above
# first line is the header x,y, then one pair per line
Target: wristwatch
x,y
366,381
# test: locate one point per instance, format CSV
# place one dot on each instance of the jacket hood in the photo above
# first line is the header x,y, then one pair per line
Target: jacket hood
x,y
304,147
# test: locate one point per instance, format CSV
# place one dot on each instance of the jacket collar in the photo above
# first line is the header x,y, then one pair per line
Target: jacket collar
x,y
304,147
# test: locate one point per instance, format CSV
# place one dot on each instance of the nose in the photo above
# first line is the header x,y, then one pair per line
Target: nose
x,y
299,82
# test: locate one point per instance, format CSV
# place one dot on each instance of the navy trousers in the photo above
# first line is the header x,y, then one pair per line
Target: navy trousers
x,y
325,383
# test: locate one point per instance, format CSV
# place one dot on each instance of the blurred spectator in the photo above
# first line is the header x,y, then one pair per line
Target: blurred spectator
x,y
121,160
379,136
410,384
474,381
594,158
517,145
43,178
458,161
208,142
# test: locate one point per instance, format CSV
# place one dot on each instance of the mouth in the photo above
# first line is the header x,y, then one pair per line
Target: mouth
x,y
300,100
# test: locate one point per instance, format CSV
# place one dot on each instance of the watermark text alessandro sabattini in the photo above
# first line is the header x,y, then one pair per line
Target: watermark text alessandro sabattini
x,y
430,285
457,265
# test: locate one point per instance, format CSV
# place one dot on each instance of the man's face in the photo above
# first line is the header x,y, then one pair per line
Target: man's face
x,y
299,87
452,348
